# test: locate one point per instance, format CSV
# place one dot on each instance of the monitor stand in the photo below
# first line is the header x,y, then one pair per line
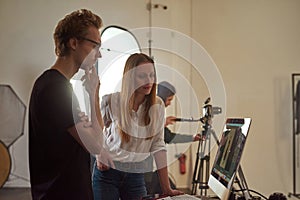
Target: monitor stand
x,y
241,181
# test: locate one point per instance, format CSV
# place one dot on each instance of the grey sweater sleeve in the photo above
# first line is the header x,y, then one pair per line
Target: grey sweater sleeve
x,y
171,138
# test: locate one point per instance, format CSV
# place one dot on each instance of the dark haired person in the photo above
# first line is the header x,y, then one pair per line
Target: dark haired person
x,y
166,91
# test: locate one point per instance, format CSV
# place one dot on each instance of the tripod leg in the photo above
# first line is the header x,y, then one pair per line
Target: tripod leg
x,y
200,178
202,169
204,175
195,181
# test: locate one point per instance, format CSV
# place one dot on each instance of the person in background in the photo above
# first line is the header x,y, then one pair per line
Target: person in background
x,y
166,91
61,137
134,121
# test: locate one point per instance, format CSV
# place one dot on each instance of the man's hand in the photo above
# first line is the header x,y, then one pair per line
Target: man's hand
x,y
91,81
198,137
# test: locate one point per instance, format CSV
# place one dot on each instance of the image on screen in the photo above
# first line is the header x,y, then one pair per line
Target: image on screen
x,y
227,160
229,154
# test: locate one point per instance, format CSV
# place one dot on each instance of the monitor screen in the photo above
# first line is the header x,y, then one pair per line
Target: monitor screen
x,y
228,156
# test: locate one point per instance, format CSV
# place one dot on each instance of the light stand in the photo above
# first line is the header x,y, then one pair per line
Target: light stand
x,y
295,104
149,7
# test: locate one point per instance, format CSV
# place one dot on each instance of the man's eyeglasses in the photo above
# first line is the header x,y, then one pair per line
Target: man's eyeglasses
x,y
98,44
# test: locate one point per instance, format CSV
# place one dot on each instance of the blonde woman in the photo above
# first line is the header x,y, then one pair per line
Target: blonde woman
x,y
134,124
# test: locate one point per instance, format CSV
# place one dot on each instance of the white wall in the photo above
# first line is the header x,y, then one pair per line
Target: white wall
x,y
254,43
256,46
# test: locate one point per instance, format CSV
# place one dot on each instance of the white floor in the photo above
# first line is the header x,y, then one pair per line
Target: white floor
x,y
15,194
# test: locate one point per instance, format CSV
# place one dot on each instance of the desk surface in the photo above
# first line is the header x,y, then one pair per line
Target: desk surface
x,y
181,197
189,197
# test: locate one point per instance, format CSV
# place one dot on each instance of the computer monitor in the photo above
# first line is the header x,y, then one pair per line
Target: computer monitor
x,y
228,156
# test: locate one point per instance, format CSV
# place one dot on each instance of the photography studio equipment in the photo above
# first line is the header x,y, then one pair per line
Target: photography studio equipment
x,y
149,7
12,121
5,164
296,133
226,169
201,169
118,44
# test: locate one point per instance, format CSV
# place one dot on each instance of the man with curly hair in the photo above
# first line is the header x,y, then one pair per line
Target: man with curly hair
x,y
61,137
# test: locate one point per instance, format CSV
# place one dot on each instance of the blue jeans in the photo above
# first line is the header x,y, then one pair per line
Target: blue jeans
x,y
114,185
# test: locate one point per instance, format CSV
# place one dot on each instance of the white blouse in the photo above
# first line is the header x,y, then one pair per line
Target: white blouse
x,y
139,146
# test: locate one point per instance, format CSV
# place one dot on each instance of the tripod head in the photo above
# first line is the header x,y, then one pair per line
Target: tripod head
x,y
208,113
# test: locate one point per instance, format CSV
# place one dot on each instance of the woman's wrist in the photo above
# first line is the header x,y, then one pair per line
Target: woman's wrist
x,y
166,189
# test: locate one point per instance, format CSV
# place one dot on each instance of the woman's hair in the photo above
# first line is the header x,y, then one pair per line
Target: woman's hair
x,y
74,25
165,90
128,93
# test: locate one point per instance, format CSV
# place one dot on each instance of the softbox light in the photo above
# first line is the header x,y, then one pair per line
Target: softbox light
x,y
12,120
118,44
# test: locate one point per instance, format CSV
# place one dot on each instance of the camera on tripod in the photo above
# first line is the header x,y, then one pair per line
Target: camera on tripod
x,y
209,111
202,163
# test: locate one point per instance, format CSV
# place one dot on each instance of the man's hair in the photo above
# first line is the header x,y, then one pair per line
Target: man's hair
x,y
165,90
74,25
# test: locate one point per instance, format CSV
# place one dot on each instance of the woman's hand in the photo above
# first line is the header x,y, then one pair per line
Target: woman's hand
x,y
172,192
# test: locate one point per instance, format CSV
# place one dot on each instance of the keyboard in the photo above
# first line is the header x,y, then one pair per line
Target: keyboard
x,y
180,197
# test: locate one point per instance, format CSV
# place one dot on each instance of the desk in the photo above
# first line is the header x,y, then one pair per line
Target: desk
x,y
180,197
